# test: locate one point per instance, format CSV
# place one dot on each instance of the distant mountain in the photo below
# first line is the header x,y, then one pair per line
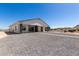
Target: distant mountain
x,y
0,29
77,26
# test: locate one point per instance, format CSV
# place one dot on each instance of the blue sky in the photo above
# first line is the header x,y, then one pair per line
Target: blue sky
x,y
56,15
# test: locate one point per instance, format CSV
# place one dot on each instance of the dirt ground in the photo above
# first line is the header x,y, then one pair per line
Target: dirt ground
x,y
2,34
72,33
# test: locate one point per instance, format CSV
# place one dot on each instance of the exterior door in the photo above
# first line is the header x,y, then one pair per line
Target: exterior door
x,y
21,26
41,29
36,28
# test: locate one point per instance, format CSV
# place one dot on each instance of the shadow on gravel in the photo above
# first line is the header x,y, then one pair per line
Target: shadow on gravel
x,y
12,33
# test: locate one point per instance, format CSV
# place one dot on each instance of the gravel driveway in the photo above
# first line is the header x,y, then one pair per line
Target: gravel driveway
x,y
39,44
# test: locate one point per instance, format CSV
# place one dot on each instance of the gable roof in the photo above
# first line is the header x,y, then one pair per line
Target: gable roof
x,y
31,20
77,26
34,19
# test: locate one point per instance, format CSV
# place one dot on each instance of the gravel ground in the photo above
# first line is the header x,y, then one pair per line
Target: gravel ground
x,y
39,44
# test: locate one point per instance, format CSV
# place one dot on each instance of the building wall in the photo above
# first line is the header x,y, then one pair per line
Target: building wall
x,y
15,28
38,22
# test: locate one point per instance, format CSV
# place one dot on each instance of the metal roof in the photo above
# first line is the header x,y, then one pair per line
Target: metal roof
x,y
30,20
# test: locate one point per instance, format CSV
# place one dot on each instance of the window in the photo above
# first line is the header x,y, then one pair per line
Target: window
x,y
24,28
15,27
31,28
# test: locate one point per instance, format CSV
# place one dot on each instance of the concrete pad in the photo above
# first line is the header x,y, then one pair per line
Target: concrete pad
x,y
2,34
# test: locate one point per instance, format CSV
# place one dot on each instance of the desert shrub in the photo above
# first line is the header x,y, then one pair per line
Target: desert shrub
x,y
71,30
65,30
